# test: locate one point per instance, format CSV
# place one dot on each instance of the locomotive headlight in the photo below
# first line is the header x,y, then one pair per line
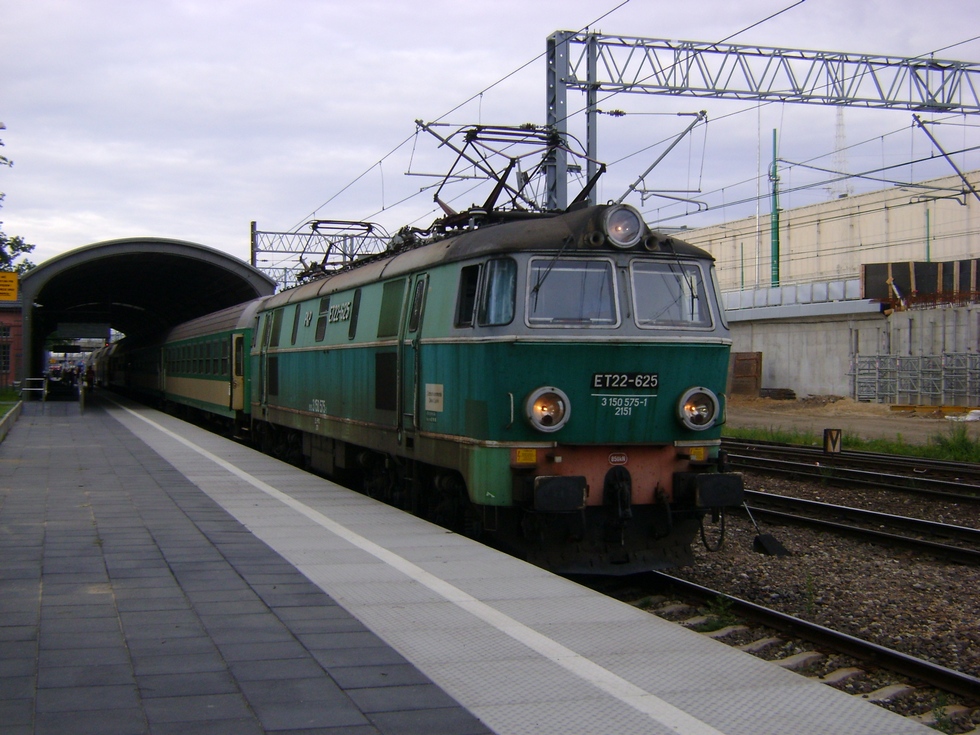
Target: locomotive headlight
x,y
547,409
623,226
698,409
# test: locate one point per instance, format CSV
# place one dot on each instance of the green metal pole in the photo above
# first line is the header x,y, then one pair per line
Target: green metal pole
x,y
928,238
774,217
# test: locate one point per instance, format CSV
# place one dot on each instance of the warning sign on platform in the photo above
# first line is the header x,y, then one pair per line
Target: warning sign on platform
x,y
8,286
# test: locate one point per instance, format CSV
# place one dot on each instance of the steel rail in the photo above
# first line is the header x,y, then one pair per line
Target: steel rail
x,y
915,668
916,525
957,554
851,458
827,470
951,553
859,458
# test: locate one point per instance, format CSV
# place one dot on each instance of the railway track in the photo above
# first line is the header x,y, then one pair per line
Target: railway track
x,y
871,525
955,481
817,649
873,654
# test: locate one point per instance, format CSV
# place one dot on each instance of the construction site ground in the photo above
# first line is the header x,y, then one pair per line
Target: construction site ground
x,y
913,424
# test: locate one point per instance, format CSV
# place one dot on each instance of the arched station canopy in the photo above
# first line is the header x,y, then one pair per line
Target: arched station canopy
x,y
138,286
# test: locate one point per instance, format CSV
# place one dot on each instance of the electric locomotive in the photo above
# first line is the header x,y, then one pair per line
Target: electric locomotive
x,y
554,382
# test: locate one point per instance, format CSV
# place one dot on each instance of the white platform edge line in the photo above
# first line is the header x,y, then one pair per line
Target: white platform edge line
x,y
657,709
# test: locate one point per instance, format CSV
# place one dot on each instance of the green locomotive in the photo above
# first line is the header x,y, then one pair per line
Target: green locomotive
x,y
554,383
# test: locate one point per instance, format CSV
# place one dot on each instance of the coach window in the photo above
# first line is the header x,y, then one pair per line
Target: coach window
x,y
239,356
571,293
499,292
469,279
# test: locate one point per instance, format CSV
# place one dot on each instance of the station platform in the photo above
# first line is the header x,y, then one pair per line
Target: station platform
x,y
156,578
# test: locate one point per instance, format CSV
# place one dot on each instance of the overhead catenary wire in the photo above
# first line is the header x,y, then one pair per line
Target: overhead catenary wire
x,y
497,83
910,160
479,95
443,116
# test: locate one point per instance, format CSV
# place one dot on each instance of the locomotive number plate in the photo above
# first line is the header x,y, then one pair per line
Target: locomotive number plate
x,y
636,381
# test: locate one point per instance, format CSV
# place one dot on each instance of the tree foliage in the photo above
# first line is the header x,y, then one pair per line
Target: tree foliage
x,y
12,248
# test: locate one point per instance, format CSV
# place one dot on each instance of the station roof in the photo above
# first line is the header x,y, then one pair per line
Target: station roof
x,y
138,286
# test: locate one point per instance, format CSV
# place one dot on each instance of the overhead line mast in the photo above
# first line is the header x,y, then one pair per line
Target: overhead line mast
x,y
595,63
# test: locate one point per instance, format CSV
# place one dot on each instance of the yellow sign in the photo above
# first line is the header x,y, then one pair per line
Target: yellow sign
x,y
8,286
525,456
698,454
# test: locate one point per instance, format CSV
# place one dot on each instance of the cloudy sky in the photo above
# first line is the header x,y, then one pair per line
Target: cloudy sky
x,y
191,118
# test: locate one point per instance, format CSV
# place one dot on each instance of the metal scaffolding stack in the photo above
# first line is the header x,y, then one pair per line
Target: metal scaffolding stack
x,y
949,379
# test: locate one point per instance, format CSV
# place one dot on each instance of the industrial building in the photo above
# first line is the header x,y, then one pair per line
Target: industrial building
x,y
875,297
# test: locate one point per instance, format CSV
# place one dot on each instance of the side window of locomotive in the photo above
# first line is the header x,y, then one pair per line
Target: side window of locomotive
x,y
469,279
670,295
276,328
391,308
499,293
255,330
418,303
719,299
571,293
272,375
266,324
321,320
292,339
354,311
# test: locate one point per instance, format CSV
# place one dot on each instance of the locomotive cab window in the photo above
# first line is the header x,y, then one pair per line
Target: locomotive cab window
x,y
670,295
565,292
469,279
418,304
499,292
